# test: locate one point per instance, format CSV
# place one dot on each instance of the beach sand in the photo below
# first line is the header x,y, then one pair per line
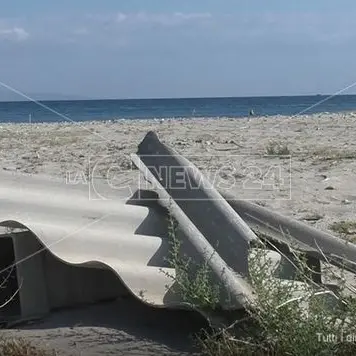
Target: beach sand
x,y
311,176
318,177
121,327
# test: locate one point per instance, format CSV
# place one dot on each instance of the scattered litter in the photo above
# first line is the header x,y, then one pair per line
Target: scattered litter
x,y
313,217
329,187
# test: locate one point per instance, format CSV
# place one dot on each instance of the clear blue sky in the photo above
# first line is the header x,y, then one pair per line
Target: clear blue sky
x,y
186,48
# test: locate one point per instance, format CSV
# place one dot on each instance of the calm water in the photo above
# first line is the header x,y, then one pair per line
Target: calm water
x,y
170,108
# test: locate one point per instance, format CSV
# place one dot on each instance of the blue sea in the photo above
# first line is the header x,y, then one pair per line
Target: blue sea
x,y
89,110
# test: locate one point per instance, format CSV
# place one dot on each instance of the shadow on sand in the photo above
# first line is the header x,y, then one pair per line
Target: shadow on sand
x,y
123,326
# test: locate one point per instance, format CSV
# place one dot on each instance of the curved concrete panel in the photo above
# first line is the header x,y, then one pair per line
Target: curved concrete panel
x,y
48,215
214,231
293,232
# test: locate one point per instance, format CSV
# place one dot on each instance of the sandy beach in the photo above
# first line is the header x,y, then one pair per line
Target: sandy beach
x,y
316,176
304,167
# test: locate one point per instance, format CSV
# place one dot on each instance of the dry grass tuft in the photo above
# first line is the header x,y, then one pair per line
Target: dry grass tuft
x,y
21,347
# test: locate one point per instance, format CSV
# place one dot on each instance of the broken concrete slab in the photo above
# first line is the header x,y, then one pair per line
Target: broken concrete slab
x,y
207,220
183,183
70,250
293,233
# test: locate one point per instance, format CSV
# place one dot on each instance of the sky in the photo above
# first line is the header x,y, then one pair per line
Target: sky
x,y
169,48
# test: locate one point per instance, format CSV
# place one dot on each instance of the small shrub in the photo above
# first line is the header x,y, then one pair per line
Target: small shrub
x,y
347,230
333,155
292,317
344,227
275,148
21,347
194,283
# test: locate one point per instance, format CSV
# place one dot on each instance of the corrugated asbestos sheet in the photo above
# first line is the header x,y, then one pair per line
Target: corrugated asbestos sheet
x,y
59,247
44,215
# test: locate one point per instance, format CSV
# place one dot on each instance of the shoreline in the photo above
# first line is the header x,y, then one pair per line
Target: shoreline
x,y
185,119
